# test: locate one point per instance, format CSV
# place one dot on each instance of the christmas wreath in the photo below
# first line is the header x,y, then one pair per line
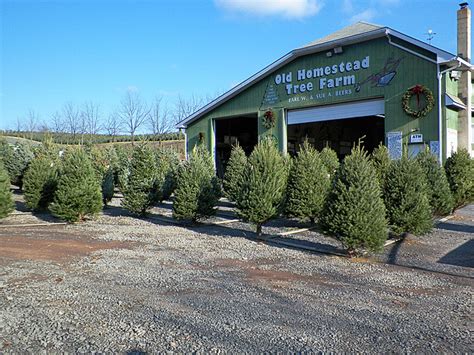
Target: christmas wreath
x,y
418,90
268,119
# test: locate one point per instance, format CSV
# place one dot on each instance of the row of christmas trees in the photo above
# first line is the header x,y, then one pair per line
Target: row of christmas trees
x,y
358,201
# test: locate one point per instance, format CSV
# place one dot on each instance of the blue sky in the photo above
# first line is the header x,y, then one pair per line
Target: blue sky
x,y
53,52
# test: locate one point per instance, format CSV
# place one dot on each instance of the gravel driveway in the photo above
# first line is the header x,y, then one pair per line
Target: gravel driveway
x,y
122,284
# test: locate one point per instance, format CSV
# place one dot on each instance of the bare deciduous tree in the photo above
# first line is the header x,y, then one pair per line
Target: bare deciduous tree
x,y
72,119
90,118
113,126
133,112
57,123
158,119
185,107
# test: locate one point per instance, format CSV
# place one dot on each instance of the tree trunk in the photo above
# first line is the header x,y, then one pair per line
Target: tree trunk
x,y
259,230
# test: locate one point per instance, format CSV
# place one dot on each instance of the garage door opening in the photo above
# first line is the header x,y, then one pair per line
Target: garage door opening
x,y
230,131
340,135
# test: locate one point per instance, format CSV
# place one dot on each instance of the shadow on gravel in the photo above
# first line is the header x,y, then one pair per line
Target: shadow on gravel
x,y
135,352
463,228
461,256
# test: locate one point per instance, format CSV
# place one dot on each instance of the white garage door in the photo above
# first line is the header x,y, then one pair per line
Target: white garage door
x,y
337,112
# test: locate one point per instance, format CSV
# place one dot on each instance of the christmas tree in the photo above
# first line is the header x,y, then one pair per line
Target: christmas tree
x,y
354,211
308,185
330,160
441,199
40,182
407,197
6,198
381,161
460,172
143,186
78,194
234,173
264,185
198,189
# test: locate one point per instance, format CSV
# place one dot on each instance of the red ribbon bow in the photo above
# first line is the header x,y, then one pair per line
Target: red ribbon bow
x,y
417,90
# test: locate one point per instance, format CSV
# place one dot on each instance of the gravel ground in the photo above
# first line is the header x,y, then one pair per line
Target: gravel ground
x,y
148,286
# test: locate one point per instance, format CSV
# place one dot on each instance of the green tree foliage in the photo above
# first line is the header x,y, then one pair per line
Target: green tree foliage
x,y
6,198
381,161
15,159
234,173
78,194
264,185
330,160
460,172
143,186
104,171
40,182
441,199
308,185
407,197
198,189
122,168
355,211
168,164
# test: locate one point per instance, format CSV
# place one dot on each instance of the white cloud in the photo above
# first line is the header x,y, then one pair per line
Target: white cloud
x,y
366,15
293,9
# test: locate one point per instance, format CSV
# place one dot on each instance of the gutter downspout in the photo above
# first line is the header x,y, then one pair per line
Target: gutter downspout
x,y
440,115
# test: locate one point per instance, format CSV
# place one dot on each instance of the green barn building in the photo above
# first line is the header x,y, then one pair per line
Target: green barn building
x,y
362,81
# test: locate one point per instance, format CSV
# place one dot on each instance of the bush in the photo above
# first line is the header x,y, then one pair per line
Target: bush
x,y
308,185
460,172
330,160
16,159
198,188
354,211
407,198
78,193
40,182
143,186
264,185
6,198
234,173
439,193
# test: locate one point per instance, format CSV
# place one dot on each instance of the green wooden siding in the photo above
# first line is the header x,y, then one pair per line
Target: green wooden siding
x,y
412,70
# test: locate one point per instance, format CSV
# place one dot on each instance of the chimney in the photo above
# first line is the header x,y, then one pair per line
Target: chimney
x,y
465,84
464,31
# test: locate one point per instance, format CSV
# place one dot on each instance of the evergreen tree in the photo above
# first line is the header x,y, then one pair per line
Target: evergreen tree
x,y
78,193
308,185
104,172
6,198
40,182
441,199
460,172
354,211
143,186
167,162
123,168
234,173
15,160
264,185
381,161
330,160
407,197
198,188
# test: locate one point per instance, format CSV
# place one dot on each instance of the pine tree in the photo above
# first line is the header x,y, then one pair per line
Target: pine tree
x,y
16,159
441,199
354,211
198,189
6,198
407,197
330,160
460,172
381,161
78,193
104,172
234,173
40,182
122,170
142,189
264,185
308,185
167,162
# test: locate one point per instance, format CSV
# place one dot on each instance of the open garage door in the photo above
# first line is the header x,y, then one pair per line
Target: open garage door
x,y
337,112
337,126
